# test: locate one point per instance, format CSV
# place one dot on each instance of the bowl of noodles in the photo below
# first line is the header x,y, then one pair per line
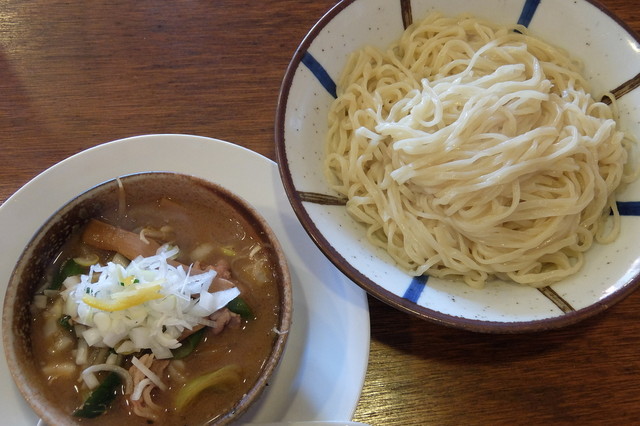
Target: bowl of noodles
x,y
152,298
470,163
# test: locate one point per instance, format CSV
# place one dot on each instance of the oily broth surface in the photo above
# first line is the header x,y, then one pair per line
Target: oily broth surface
x,y
193,223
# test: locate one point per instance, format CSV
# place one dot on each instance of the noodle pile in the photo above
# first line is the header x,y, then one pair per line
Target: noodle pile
x,y
472,151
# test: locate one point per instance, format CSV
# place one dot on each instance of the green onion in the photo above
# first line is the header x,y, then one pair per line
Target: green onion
x,y
188,344
63,321
240,307
220,380
68,269
228,251
100,399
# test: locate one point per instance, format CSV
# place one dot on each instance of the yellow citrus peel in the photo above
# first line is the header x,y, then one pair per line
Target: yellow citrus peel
x,y
125,299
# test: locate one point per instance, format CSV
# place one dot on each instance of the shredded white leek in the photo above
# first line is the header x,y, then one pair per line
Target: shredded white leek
x,y
137,391
150,374
62,369
82,352
146,304
91,380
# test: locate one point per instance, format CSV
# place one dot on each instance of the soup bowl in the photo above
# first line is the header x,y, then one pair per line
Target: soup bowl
x,y
208,224
311,85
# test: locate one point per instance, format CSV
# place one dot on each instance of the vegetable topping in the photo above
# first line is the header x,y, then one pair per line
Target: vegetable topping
x,y
147,304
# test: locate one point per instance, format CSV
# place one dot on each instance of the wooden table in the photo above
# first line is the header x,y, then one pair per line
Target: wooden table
x,y
77,74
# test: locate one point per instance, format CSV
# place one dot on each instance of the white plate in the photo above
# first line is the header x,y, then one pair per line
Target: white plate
x,y
324,364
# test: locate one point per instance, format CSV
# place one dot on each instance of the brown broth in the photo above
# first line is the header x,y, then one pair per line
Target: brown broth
x,y
249,345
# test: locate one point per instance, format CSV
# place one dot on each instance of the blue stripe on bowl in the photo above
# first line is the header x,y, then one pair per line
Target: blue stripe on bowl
x,y
528,10
629,208
320,73
414,290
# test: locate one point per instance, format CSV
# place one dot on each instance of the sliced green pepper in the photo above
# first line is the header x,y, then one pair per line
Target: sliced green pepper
x,y
68,269
240,307
219,380
100,398
188,344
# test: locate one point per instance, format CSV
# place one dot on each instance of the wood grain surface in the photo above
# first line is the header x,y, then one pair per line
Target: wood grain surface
x,y
77,74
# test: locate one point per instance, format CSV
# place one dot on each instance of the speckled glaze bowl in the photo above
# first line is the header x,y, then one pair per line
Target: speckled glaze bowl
x,y
611,56
47,241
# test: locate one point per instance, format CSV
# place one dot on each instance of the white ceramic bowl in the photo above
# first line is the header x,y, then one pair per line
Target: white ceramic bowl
x,y
611,55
